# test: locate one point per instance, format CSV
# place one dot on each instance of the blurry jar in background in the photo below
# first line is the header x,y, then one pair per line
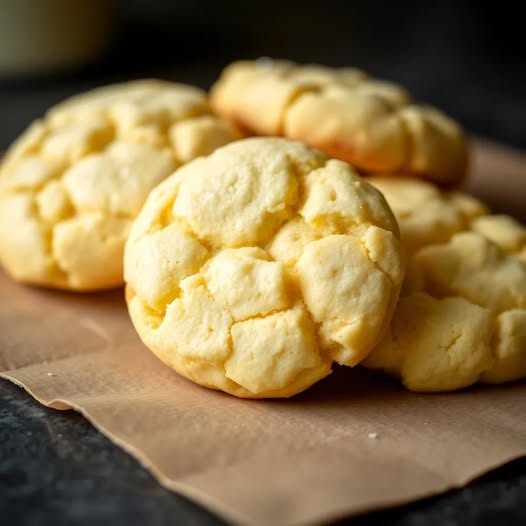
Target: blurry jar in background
x,y
48,36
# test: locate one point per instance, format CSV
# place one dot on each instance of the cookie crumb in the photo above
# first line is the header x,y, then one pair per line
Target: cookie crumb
x,y
51,374
264,62
373,436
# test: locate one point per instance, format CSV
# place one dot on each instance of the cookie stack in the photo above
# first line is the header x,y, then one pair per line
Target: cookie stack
x,y
333,237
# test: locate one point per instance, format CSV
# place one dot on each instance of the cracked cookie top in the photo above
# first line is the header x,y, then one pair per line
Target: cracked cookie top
x,y
255,268
73,182
373,124
462,314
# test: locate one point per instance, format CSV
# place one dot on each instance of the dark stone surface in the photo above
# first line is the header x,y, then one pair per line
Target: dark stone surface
x,y
56,469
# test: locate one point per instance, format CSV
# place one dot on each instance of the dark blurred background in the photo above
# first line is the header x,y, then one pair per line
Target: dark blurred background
x,y
468,58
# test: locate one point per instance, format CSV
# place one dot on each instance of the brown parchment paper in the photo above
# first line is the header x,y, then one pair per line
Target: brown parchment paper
x,y
306,460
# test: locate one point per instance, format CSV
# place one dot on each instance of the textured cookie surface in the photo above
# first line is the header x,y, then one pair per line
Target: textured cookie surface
x,y
255,268
462,315
372,124
73,182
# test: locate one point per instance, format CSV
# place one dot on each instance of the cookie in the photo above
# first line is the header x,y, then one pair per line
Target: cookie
x,y
373,124
461,318
71,185
252,270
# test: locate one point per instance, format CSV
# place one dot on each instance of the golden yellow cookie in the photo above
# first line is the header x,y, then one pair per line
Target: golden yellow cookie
x,y
73,182
372,124
462,315
255,268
